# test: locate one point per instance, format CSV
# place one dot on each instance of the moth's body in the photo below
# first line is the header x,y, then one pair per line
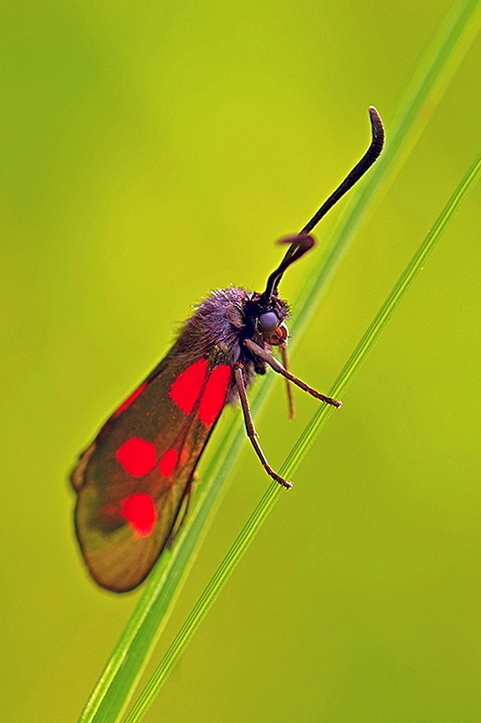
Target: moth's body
x,y
171,417
132,480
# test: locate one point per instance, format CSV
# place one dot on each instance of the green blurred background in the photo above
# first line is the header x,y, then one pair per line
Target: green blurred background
x,y
152,152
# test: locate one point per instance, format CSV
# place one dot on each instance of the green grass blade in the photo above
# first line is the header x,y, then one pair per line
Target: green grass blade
x,y
115,686
299,450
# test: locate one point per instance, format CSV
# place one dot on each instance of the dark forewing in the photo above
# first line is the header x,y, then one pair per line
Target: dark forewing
x,y
132,479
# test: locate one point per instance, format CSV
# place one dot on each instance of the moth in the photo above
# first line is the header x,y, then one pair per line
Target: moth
x,y
133,482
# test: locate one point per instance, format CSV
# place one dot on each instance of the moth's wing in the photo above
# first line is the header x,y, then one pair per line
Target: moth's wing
x,y
132,479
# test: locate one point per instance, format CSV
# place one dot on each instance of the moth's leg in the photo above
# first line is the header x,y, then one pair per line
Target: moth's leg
x,y
250,429
291,411
195,478
277,366
182,513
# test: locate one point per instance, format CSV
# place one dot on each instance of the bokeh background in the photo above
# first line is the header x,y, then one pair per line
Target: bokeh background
x,y
154,151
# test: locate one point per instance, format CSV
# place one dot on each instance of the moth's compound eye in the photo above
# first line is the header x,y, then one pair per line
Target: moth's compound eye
x,y
268,321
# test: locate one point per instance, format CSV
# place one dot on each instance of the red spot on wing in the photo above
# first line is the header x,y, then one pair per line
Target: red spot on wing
x,y
186,388
168,462
130,399
137,456
215,392
139,511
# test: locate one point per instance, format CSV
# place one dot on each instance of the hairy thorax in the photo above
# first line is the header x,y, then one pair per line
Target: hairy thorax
x,y
220,325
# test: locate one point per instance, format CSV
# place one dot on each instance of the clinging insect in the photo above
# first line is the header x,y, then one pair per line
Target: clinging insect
x,y
134,480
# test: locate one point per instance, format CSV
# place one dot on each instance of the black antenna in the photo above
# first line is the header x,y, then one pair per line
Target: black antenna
x,y
298,245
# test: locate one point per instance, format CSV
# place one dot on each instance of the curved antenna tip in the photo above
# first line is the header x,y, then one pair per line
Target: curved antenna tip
x,y
378,133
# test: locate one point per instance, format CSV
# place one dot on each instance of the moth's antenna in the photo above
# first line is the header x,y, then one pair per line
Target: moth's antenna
x,y
298,245
357,172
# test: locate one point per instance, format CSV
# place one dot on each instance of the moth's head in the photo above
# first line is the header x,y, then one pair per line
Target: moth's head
x,y
265,319
269,325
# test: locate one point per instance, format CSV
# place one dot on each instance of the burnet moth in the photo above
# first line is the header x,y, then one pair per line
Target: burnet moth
x,y
133,482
